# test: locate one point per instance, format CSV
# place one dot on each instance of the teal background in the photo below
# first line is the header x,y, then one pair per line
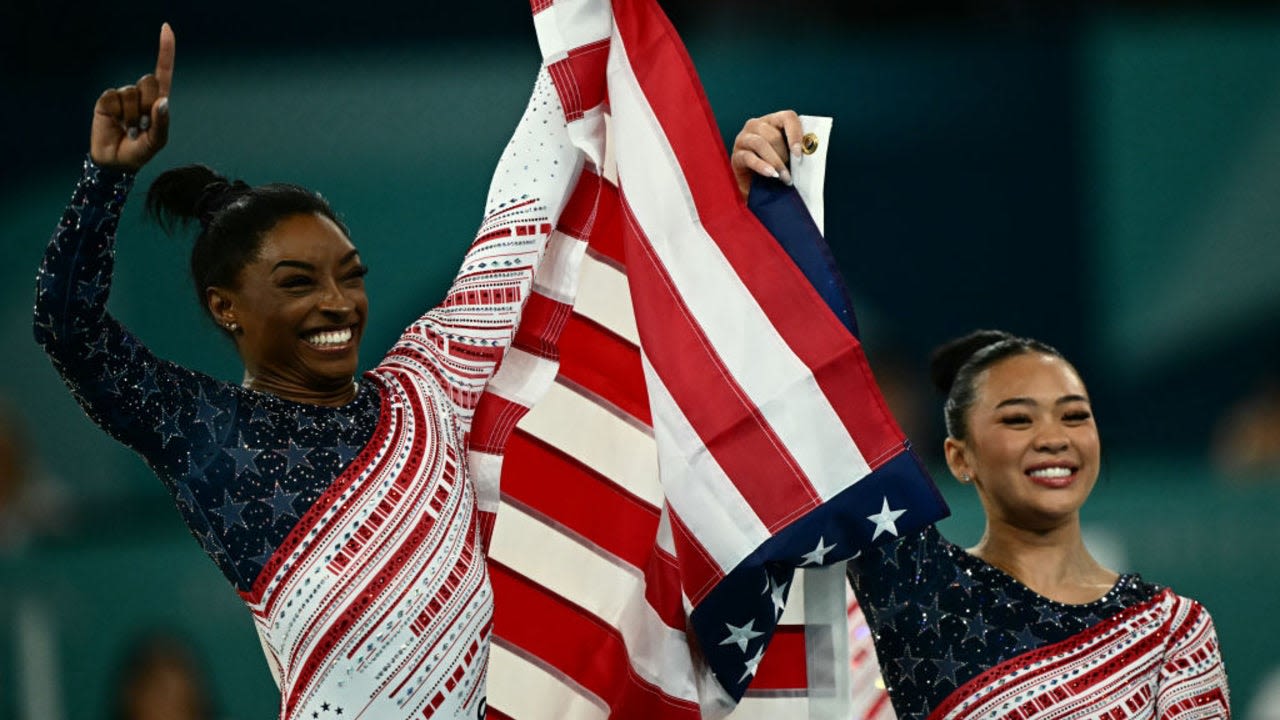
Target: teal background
x,y
1106,183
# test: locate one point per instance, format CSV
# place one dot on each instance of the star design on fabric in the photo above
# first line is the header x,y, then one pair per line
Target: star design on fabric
x,y
213,546
305,421
148,386
964,580
230,511
742,635
258,415
185,496
1047,614
44,329
262,559
931,614
244,457
890,609
281,503
206,413
88,291
45,283
885,520
778,596
99,346
1004,599
346,453
816,555
1026,639
975,627
112,381
751,665
131,344
947,667
294,456
906,664
168,427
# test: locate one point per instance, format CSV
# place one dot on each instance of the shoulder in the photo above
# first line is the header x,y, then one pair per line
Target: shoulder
x,y
1188,622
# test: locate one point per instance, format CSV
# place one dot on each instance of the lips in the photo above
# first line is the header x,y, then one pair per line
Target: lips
x,y
1053,476
331,339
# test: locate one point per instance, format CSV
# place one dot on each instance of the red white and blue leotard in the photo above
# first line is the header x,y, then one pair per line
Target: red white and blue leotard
x,y
352,533
958,639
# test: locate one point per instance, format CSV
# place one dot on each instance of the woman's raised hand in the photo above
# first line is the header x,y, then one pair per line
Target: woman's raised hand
x,y
762,148
131,123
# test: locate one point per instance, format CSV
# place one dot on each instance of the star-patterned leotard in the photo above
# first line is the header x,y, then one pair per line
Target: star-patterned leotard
x,y
351,532
958,638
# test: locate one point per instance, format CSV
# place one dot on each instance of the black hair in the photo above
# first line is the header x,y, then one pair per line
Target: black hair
x,y
955,365
233,218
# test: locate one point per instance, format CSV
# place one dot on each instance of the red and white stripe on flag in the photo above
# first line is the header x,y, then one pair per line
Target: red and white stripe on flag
x,y
677,408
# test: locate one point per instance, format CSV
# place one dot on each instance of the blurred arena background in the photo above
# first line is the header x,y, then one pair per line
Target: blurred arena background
x,y
1102,177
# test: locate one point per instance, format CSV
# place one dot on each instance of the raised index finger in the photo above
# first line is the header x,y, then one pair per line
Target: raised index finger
x,y
164,59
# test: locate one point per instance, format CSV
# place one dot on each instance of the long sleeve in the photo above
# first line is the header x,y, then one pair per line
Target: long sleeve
x,y
460,342
1193,680
122,386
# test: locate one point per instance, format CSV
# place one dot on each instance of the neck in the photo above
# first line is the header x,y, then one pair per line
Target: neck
x,y
330,396
1052,561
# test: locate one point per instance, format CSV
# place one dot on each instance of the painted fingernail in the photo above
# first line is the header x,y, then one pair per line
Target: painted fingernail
x,y
133,133
786,176
773,173
796,150
144,122
163,105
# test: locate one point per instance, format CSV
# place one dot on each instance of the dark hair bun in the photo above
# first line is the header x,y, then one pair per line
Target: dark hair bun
x,y
190,192
948,358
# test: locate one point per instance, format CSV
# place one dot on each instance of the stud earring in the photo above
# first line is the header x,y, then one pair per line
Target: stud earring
x,y
232,326
965,479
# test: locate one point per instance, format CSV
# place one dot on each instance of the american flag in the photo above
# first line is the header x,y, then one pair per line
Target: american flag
x,y
684,419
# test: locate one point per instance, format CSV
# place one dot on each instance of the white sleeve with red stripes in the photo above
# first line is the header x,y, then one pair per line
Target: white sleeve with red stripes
x,y
460,342
1193,680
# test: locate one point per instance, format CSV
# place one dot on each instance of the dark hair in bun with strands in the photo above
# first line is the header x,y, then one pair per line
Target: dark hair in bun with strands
x,y
233,218
955,366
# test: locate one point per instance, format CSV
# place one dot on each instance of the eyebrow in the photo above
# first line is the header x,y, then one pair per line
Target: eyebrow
x,y
301,265
1028,401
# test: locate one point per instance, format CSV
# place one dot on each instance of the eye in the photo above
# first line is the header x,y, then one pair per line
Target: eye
x,y
357,274
1016,420
293,282
1077,416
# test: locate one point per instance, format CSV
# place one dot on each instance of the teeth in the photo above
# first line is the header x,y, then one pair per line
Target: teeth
x,y
1052,472
332,337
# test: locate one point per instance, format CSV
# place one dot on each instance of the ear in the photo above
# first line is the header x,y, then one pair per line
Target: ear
x,y
957,455
221,305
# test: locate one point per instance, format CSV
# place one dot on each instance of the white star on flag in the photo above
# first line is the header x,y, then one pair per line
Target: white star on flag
x,y
741,635
815,556
752,664
777,593
884,520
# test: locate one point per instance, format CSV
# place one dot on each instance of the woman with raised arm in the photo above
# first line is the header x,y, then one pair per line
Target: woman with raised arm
x,y
1026,624
339,506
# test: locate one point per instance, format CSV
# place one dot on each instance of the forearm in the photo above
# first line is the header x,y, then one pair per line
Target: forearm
x,y
75,275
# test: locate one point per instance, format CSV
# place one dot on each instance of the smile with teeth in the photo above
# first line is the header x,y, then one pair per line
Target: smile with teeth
x,y
329,338
1051,472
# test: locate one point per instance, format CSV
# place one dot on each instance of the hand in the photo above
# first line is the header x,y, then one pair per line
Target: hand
x,y
131,123
762,148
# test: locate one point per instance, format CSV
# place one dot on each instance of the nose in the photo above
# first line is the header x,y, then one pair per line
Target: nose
x,y
1052,439
335,301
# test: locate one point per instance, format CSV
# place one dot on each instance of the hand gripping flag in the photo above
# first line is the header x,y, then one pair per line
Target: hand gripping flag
x,y
684,418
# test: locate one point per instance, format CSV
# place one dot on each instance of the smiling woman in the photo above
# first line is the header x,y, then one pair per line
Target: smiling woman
x,y
1027,619
338,505
1026,624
